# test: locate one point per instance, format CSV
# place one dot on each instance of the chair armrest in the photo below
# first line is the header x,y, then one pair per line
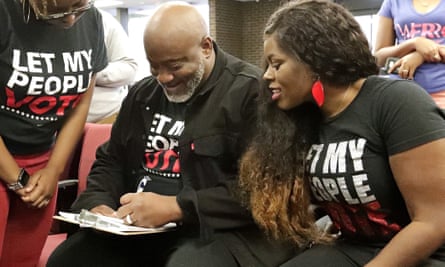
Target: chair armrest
x,y
67,183
66,194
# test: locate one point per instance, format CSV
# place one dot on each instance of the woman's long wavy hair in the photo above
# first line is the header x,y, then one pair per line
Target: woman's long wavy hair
x,y
273,177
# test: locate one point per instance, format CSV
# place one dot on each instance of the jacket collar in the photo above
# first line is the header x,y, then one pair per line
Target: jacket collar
x,y
218,69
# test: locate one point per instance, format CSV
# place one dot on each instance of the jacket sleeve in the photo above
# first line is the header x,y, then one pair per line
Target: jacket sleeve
x,y
106,180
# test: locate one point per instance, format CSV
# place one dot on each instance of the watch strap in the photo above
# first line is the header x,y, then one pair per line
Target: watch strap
x,y
21,181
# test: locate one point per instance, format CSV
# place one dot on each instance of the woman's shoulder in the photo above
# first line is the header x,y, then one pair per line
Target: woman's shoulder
x,y
385,85
380,93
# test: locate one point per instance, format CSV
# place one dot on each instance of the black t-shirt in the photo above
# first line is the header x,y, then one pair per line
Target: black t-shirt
x,y
161,155
44,70
351,176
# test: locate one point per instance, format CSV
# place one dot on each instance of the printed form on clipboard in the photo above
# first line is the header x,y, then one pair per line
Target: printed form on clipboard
x,y
112,225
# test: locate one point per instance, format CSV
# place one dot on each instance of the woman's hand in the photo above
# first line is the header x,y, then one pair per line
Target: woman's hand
x,y
407,65
428,49
41,187
442,53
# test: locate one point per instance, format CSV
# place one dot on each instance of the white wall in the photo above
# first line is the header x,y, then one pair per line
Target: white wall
x,y
368,24
136,25
138,20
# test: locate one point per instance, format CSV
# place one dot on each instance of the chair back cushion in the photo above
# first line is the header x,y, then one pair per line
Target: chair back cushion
x,y
94,136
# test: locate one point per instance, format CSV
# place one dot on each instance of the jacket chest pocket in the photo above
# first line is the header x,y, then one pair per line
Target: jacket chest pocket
x,y
222,148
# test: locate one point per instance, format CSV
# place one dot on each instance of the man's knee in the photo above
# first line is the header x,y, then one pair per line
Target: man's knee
x,y
196,254
74,250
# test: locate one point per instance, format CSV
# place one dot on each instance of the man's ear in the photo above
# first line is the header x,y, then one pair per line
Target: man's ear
x,y
207,46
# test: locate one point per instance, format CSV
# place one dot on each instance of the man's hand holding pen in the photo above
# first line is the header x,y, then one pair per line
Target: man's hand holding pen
x,y
149,209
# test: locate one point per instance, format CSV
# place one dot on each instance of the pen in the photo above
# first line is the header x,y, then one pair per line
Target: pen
x,y
142,183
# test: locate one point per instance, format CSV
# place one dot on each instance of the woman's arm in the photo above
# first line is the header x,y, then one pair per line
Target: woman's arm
x,y
118,73
385,46
122,66
43,183
9,170
420,176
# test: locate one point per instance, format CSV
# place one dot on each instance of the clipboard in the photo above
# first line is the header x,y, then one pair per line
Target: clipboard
x,y
87,219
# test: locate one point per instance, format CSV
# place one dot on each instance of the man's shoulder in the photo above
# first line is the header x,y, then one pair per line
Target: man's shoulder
x,y
147,82
241,67
4,5
6,12
143,88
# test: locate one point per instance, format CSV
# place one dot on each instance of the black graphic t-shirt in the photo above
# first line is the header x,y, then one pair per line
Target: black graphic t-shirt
x,y
161,156
349,168
44,70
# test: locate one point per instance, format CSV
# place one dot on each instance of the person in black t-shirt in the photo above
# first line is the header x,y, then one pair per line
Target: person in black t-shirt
x,y
50,51
334,135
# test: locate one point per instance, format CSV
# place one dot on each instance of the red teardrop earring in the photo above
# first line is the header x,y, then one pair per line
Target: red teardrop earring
x,y
318,92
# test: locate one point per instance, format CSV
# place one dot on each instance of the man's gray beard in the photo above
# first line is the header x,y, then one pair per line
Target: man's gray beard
x,y
191,87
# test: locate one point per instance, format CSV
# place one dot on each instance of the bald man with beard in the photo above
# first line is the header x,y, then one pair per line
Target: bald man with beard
x,y
173,157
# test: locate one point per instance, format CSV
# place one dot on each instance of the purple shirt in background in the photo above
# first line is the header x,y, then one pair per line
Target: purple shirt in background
x,y
408,23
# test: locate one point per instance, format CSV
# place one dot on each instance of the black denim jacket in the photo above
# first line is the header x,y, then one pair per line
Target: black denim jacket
x,y
218,121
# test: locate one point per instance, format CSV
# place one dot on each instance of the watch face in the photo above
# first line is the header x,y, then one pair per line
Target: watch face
x,y
21,182
24,178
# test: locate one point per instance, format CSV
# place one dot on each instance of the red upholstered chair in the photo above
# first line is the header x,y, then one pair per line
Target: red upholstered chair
x,y
94,135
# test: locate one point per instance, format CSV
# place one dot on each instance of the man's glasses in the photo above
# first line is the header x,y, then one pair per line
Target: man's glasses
x,y
75,12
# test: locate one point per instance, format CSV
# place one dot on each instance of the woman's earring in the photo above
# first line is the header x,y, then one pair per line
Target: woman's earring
x,y
318,92
26,11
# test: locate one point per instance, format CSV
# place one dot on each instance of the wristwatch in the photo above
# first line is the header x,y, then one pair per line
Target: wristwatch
x,y
21,181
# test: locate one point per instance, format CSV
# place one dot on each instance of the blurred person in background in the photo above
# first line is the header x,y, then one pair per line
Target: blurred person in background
x,y
413,32
112,82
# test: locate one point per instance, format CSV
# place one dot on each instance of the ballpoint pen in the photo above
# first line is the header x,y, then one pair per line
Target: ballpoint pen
x,y
142,183
140,188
